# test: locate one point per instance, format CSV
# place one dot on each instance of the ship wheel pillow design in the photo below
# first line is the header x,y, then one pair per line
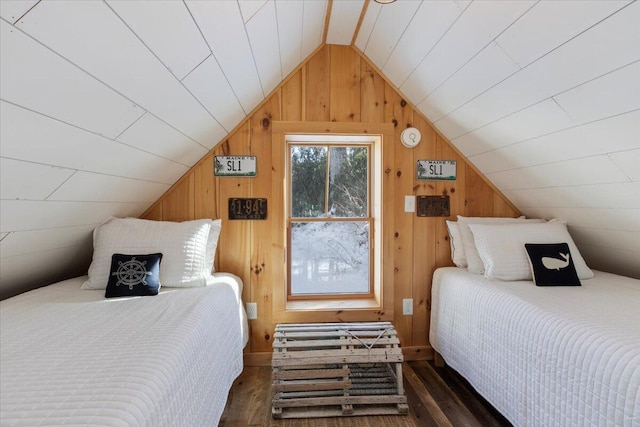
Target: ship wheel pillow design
x,y
552,264
134,275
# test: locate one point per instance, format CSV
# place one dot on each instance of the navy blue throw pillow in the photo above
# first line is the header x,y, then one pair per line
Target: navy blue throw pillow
x,y
134,275
552,264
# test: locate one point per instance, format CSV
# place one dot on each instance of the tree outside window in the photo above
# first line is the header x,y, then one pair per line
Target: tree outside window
x,y
329,221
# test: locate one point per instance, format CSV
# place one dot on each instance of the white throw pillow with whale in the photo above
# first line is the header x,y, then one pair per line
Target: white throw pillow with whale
x,y
502,250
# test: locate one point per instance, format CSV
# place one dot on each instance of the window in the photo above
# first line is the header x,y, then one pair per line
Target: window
x,y
329,223
331,236
372,301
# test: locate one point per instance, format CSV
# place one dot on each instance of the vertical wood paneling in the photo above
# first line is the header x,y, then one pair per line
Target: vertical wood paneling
x,y
371,94
388,216
444,151
500,208
335,83
424,231
345,84
235,243
401,114
278,274
178,204
262,261
154,213
479,200
291,95
318,92
205,186
454,189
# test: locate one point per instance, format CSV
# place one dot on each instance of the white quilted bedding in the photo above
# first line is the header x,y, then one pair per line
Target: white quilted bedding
x,y
71,357
553,356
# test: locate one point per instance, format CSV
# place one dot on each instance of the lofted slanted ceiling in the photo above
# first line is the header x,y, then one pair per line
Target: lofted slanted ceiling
x,y
105,104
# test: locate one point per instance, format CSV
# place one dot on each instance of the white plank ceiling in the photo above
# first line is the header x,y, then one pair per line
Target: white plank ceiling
x,y
105,104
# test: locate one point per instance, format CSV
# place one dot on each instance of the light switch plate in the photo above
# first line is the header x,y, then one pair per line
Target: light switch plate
x,y
407,307
409,203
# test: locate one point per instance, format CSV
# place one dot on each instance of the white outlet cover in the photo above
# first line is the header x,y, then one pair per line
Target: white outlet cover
x,y
407,307
252,310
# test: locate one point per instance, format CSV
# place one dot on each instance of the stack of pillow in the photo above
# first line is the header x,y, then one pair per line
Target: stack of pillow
x,y
133,257
517,249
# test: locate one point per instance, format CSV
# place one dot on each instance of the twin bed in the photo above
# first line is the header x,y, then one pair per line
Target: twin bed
x,y
542,356
554,356
71,356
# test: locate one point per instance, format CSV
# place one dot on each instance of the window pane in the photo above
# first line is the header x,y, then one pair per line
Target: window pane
x,y
348,182
329,257
308,181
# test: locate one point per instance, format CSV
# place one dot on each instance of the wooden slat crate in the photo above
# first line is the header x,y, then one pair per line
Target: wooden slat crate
x,y
337,369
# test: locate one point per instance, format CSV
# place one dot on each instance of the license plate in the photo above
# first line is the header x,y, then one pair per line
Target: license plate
x,y
437,169
247,208
234,166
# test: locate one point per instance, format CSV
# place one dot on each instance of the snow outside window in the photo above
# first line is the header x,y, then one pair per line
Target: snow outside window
x,y
330,221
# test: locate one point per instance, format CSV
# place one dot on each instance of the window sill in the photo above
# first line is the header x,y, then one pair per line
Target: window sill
x,y
352,310
333,304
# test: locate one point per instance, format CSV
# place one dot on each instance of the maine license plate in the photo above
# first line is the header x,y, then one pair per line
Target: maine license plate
x,y
234,166
437,169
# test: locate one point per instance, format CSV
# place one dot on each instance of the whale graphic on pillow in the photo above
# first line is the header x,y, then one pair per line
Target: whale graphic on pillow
x,y
556,263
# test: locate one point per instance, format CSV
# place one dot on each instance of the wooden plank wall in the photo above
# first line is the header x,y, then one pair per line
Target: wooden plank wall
x,y
335,84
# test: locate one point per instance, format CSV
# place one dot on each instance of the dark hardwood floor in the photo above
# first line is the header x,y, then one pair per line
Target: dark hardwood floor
x,y
436,397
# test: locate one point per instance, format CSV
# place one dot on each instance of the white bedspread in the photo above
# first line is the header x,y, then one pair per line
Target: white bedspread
x,y
552,356
70,356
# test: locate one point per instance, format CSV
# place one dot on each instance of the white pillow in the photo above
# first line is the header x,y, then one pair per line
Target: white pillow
x,y
457,248
187,251
212,244
474,263
502,250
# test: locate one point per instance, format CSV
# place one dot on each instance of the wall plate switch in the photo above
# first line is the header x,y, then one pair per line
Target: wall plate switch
x,y
409,203
252,310
407,307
